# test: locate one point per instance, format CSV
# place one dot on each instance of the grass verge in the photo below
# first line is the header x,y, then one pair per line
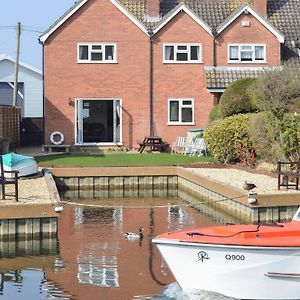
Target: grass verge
x,y
120,159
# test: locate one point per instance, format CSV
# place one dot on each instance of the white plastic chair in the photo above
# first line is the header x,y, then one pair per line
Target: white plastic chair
x,y
179,144
196,147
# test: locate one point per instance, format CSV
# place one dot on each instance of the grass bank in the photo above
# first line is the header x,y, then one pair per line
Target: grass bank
x,y
120,159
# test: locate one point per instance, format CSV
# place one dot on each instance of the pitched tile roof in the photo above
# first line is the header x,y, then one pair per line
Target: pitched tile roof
x,y
282,14
222,77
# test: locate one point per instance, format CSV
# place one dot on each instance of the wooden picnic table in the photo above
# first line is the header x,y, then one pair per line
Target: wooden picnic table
x,y
155,143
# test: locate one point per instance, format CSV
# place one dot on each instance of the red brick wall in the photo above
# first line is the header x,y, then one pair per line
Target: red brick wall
x,y
128,80
235,33
181,80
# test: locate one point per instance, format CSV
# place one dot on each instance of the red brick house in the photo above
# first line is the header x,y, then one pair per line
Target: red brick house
x,y
118,70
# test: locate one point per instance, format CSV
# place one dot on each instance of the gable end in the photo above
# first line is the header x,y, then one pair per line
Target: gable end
x,y
247,9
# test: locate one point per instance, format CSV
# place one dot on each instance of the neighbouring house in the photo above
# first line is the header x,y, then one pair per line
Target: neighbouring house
x,y
29,97
118,70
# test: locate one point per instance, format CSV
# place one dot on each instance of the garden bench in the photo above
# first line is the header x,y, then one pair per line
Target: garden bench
x,y
288,174
7,180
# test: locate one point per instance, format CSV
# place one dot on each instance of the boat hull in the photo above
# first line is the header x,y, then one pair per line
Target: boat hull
x,y
25,169
243,272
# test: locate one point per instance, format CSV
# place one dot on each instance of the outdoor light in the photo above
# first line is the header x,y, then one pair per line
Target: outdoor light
x,y
71,102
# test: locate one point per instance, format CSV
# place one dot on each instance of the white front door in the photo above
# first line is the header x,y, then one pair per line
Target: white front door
x,y
98,121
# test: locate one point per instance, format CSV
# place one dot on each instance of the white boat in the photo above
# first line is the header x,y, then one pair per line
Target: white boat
x,y
26,165
239,261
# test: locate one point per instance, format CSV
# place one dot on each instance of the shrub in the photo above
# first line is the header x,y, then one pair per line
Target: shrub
x,y
225,137
263,137
275,140
238,98
290,136
214,114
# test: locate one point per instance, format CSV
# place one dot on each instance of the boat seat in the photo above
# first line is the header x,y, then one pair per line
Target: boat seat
x,y
6,181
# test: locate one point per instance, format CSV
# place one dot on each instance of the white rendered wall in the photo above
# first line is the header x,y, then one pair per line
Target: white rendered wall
x,y
33,87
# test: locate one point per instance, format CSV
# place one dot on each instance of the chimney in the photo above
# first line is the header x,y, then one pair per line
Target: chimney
x,y
153,8
261,7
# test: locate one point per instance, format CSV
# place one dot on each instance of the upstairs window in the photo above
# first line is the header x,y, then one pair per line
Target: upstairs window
x,y
96,53
182,53
181,111
246,53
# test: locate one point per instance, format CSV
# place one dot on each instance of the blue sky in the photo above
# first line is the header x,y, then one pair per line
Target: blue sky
x,y
35,17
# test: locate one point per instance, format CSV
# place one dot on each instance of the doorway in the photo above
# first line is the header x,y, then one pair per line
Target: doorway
x,y
98,121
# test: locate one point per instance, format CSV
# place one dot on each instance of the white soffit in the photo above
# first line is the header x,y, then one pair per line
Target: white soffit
x,y
248,8
47,33
180,8
129,15
45,36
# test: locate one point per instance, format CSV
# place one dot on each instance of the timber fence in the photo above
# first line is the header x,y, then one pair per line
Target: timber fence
x,y
10,124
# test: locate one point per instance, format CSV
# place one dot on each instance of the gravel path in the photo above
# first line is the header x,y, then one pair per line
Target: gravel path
x,y
30,191
236,178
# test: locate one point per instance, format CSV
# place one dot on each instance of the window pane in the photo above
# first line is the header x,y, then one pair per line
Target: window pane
x,y
182,56
83,52
234,52
246,55
96,47
187,102
246,47
195,52
169,52
96,56
181,47
187,114
109,52
259,53
174,111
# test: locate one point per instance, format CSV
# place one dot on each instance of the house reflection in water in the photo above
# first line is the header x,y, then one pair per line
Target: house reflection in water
x,y
102,271
98,260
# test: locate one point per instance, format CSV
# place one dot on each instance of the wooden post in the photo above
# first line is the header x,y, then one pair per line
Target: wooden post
x,y
17,65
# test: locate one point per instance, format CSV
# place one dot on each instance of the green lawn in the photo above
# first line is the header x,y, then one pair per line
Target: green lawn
x,y
120,159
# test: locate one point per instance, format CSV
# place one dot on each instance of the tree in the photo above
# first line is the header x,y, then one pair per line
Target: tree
x,y
278,89
277,93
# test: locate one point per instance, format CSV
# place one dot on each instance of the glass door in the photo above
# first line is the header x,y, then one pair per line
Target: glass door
x,y
98,121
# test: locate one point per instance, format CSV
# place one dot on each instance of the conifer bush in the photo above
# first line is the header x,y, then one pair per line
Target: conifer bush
x,y
238,98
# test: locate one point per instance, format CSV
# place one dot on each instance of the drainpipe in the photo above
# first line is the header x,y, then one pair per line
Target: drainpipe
x,y
214,32
43,70
43,78
151,83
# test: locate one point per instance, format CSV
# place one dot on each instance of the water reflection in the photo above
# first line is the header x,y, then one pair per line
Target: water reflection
x,y
102,271
95,260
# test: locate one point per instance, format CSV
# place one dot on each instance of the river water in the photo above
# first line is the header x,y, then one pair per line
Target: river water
x,y
92,258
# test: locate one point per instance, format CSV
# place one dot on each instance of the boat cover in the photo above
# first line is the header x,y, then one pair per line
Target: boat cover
x,y
12,159
266,235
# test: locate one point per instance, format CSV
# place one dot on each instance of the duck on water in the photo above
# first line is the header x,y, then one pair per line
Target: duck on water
x,y
135,235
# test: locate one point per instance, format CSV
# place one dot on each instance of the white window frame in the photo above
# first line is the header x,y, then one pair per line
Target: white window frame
x,y
90,51
253,61
181,105
176,50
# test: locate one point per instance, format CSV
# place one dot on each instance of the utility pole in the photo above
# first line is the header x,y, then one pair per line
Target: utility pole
x,y
17,65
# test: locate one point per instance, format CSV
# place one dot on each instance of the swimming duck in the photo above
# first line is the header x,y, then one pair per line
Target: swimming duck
x,y
248,186
134,235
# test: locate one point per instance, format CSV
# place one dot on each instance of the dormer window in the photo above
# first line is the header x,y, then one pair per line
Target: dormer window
x,y
182,53
246,53
96,53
